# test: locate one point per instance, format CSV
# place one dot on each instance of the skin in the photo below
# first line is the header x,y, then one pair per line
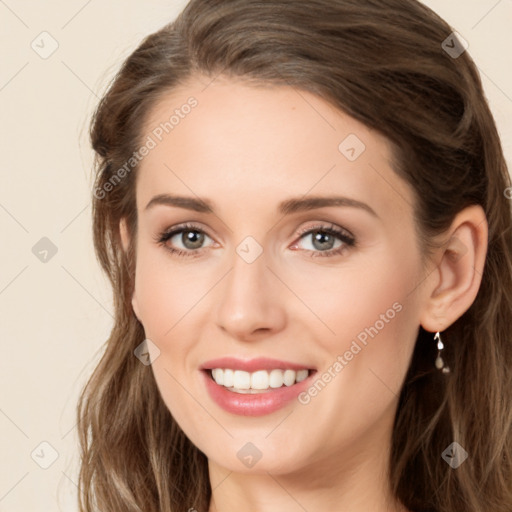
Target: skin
x,y
246,149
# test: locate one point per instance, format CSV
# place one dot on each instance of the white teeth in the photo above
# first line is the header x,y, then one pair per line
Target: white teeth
x,y
245,382
228,378
301,375
259,380
218,375
276,378
241,379
289,377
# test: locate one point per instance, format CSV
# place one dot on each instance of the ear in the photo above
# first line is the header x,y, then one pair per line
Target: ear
x,y
456,280
125,235
125,241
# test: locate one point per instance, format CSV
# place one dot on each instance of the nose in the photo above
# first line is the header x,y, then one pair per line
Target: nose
x,y
251,303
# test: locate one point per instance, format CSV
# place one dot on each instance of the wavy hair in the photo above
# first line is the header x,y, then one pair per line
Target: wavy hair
x,y
383,63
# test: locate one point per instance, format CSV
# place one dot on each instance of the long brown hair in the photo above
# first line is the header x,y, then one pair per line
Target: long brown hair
x,y
383,63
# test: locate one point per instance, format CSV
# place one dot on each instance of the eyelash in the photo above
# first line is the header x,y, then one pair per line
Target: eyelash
x,y
348,240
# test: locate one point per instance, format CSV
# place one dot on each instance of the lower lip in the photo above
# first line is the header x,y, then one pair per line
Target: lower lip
x,y
257,404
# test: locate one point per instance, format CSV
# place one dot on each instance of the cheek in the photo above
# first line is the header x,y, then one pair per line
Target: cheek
x,y
365,362
369,324
164,293
168,301
357,298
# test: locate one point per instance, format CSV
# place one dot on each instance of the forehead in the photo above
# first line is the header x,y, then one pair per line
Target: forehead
x,y
226,138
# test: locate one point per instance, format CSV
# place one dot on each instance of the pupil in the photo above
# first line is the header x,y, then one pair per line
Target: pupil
x,y
323,238
192,239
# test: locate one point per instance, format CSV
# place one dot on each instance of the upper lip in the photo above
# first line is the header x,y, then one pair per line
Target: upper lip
x,y
252,365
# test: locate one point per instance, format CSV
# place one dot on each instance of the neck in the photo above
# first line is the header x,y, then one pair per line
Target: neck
x,y
355,479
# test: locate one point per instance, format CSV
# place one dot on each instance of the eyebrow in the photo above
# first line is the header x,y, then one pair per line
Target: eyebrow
x,y
287,207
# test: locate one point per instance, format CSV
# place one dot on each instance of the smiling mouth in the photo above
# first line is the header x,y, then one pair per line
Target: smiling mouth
x,y
260,381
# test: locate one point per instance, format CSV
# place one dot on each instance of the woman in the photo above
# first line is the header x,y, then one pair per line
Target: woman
x,y
302,209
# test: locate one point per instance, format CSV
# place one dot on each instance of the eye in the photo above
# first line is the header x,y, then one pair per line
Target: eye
x,y
184,240
326,240
187,240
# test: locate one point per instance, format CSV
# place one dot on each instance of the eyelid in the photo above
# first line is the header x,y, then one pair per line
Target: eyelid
x,y
348,241
305,230
344,235
319,226
178,228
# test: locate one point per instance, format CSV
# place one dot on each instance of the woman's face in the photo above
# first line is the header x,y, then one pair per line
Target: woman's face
x,y
295,250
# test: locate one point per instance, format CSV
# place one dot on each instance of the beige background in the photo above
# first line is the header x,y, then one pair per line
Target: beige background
x,y
55,315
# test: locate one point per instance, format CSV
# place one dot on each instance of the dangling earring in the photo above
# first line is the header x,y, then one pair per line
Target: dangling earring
x,y
439,360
